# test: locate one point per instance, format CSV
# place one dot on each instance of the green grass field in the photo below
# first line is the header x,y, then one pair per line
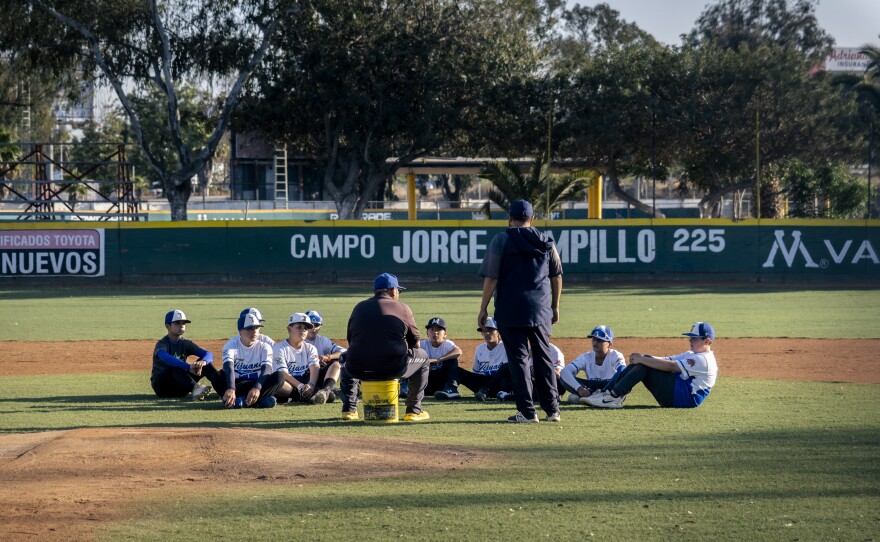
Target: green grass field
x,y
734,310
766,460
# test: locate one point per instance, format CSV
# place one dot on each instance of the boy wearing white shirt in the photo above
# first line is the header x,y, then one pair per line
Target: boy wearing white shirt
x,y
599,365
443,357
490,376
247,379
682,381
299,364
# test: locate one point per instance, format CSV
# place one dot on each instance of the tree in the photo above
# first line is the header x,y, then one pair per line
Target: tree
x,y
733,104
591,31
364,86
826,190
453,188
865,87
790,25
615,113
538,186
139,44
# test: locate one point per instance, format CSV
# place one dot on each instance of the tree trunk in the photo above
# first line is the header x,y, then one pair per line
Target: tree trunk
x,y
453,186
178,195
709,205
611,175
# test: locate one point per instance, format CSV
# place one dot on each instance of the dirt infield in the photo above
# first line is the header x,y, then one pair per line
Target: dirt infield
x,y
61,485
843,360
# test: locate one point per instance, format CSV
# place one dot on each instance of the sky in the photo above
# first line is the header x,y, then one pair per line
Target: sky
x,y
852,23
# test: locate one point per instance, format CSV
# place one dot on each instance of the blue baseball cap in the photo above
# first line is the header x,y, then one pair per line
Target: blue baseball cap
x,y
521,209
256,312
248,320
176,316
603,333
386,281
315,317
701,330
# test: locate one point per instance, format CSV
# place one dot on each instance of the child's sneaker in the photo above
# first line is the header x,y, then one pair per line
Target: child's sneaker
x,y
266,402
482,394
447,394
504,396
605,400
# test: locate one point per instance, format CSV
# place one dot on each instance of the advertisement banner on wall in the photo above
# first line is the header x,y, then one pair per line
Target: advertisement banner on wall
x,y
48,253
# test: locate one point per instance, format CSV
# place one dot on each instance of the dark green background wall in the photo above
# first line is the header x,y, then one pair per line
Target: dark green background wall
x,y
452,250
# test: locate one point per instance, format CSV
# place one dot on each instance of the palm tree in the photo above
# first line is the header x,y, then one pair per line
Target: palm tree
x,y
510,184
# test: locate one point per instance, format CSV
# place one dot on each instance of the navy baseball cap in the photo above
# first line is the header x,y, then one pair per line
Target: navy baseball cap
x,y
176,316
248,320
436,322
386,281
315,317
603,333
255,312
521,209
701,330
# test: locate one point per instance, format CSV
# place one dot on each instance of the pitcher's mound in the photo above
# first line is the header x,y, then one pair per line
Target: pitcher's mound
x,y
61,484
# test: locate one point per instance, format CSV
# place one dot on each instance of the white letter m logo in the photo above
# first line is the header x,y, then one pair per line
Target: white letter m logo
x,y
788,253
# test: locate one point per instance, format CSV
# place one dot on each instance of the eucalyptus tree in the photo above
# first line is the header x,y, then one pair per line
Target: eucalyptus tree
x,y
138,45
364,86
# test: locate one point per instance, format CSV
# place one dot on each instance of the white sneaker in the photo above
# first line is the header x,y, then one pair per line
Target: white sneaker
x,y
555,417
605,400
586,400
200,392
574,398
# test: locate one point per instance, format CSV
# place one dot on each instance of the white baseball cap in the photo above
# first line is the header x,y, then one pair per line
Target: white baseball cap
x,y
490,324
176,316
300,318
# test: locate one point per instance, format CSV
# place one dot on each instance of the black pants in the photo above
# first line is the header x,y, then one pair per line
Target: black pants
x,y
242,388
500,381
516,342
414,367
589,383
661,384
177,382
443,377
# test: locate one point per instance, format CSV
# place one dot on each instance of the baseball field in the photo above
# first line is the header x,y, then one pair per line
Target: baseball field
x,y
786,447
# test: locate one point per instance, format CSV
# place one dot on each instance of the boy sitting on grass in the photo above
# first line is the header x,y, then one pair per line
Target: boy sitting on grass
x,y
491,375
599,365
682,381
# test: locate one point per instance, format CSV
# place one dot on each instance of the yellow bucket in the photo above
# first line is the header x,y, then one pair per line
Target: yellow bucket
x,y
380,400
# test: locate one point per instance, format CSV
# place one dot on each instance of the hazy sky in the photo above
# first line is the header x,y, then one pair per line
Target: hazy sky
x,y
852,23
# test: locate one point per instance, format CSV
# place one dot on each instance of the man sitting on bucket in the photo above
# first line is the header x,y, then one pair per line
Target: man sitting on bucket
x,y
383,344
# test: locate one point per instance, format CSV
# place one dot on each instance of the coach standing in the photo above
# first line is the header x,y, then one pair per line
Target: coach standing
x,y
383,343
522,268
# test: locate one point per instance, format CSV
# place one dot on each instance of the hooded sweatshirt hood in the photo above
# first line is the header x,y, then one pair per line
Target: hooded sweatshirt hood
x,y
530,242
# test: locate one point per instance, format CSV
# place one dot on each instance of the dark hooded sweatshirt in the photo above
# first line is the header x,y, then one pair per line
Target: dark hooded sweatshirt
x,y
523,260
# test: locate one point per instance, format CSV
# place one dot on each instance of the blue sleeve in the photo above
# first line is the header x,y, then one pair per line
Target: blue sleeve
x,y
205,355
168,359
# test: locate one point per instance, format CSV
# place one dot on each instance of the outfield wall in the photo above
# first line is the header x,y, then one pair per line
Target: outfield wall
x,y
343,251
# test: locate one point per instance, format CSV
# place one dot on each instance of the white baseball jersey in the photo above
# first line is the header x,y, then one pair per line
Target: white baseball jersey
x,y
247,361
489,362
556,355
586,362
325,346
266,339
295,361
436,352
698,374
